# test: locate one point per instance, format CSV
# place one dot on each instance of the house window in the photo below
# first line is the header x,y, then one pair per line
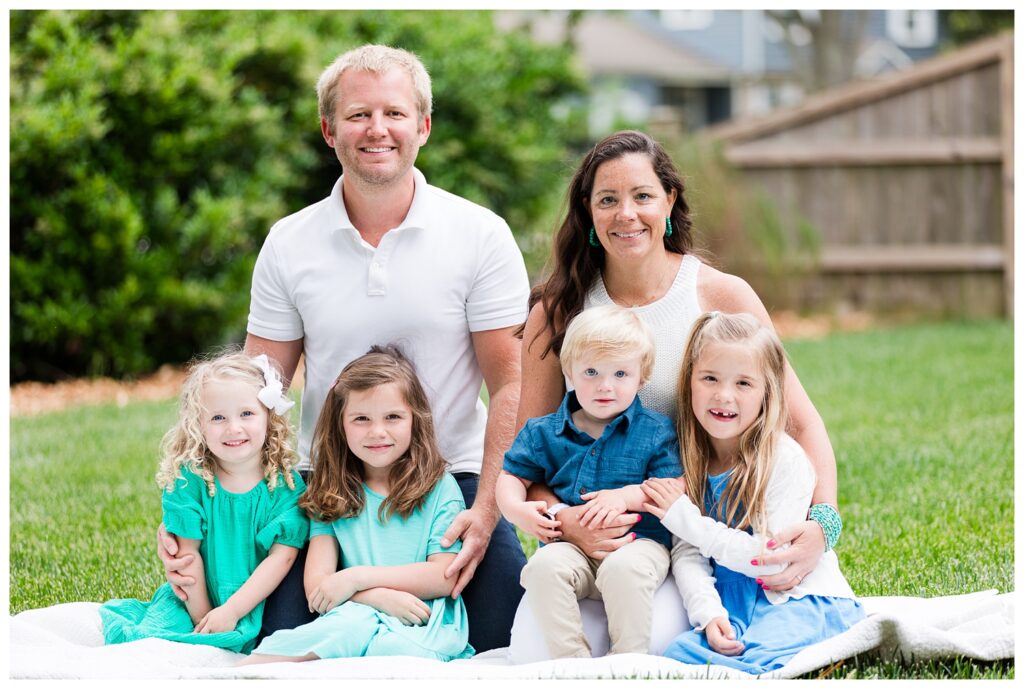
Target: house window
x,y
687,20
912,28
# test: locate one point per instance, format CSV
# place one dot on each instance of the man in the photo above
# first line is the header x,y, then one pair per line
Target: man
x,y
386,258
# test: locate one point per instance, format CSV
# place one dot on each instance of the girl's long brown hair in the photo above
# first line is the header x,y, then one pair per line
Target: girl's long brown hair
x,y
575,264
744,495
335,487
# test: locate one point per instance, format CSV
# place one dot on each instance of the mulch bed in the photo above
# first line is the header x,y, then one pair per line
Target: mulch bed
x,y
28,399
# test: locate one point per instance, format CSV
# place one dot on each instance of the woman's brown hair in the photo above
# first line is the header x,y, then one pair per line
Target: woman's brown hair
x,y
575,264
335,487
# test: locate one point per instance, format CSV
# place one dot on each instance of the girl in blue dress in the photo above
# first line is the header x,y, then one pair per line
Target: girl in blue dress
x,y
743,480
231,496
380,499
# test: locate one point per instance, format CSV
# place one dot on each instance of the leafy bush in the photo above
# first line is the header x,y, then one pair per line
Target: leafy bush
x,y
152,151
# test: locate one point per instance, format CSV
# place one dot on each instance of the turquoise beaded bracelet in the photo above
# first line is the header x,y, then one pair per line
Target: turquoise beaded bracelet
x,y
828,519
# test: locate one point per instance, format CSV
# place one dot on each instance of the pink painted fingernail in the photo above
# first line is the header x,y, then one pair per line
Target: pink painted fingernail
x,y
753,562
639,517
634,537
759,581
764,586
771,543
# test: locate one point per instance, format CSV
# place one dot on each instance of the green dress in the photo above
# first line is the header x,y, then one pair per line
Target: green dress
x,y
237,531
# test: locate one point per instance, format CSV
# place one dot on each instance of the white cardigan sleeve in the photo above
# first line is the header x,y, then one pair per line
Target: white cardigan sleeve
x,y
787,500
696,582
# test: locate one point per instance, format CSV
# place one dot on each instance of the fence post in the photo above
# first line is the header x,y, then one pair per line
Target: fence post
x,y
1006,93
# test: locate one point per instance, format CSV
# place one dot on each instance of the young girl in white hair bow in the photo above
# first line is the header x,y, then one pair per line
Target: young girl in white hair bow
x,y
231,498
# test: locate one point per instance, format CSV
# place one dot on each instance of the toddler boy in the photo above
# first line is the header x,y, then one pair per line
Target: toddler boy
x,y
597,448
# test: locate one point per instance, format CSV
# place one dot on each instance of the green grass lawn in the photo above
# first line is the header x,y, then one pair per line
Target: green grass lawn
x,y
921,418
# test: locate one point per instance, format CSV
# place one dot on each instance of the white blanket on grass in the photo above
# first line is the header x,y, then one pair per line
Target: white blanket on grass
x,y
66,641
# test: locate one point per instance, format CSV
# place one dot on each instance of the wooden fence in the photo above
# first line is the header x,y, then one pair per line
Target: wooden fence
x,y
908,180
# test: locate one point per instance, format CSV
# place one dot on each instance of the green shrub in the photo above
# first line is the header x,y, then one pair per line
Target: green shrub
x,y
152,151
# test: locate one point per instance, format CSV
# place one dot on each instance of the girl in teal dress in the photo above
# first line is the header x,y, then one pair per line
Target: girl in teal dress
x,y
231,497
380,497
744,480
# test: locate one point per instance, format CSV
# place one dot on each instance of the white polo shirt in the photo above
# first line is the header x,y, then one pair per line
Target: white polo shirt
x,y
450,269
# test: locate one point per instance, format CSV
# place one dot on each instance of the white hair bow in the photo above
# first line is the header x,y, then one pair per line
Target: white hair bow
x,y
272,394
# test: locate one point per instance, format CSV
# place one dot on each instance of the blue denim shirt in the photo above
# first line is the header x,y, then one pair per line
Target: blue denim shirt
x,y
636,445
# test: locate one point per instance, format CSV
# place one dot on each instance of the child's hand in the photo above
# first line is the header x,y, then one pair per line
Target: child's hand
x,y
332,591
405,606
662,492
602,507
220,619
722,638
531,517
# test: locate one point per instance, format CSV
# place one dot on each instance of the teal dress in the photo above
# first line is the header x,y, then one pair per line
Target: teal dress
x,y
353,629
237,531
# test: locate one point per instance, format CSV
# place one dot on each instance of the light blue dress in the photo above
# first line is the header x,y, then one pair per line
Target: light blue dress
x,y
771,634
353,629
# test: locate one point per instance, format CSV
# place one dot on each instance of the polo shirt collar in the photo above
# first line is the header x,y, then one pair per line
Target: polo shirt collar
x,y
570,404
416,217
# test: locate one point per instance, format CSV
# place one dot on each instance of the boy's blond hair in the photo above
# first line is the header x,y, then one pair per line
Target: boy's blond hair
x,y
608,332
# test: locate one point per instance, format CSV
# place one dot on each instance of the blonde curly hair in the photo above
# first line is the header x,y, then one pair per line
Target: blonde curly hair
x,y
184,444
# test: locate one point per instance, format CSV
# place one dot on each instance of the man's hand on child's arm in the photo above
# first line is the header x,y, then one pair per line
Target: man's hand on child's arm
x,y
166,550
661,493
722,638
220,619
405,606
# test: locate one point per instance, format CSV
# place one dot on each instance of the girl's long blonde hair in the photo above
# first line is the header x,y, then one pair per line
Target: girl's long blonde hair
x,y
335,487
744,496
184,444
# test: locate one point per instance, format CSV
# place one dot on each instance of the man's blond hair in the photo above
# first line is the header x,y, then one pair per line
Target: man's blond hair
x,y
376,59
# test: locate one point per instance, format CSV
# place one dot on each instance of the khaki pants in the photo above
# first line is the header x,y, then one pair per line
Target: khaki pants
x,y
560,574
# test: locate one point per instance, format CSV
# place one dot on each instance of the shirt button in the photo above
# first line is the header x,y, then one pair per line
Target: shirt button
x,y
593,452
584,491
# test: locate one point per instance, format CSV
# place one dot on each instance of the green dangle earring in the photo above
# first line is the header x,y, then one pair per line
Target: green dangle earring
x,y
593,237
668,227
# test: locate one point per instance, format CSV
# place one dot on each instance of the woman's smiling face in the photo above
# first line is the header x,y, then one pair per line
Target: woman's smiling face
x,y
629,207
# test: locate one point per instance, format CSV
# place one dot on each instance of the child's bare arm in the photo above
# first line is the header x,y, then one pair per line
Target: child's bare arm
x,y
401,604
530,516
321,562
605,505
198,601
260,584
425,580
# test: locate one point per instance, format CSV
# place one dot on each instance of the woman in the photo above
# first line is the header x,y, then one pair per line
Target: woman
x,y
627,240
